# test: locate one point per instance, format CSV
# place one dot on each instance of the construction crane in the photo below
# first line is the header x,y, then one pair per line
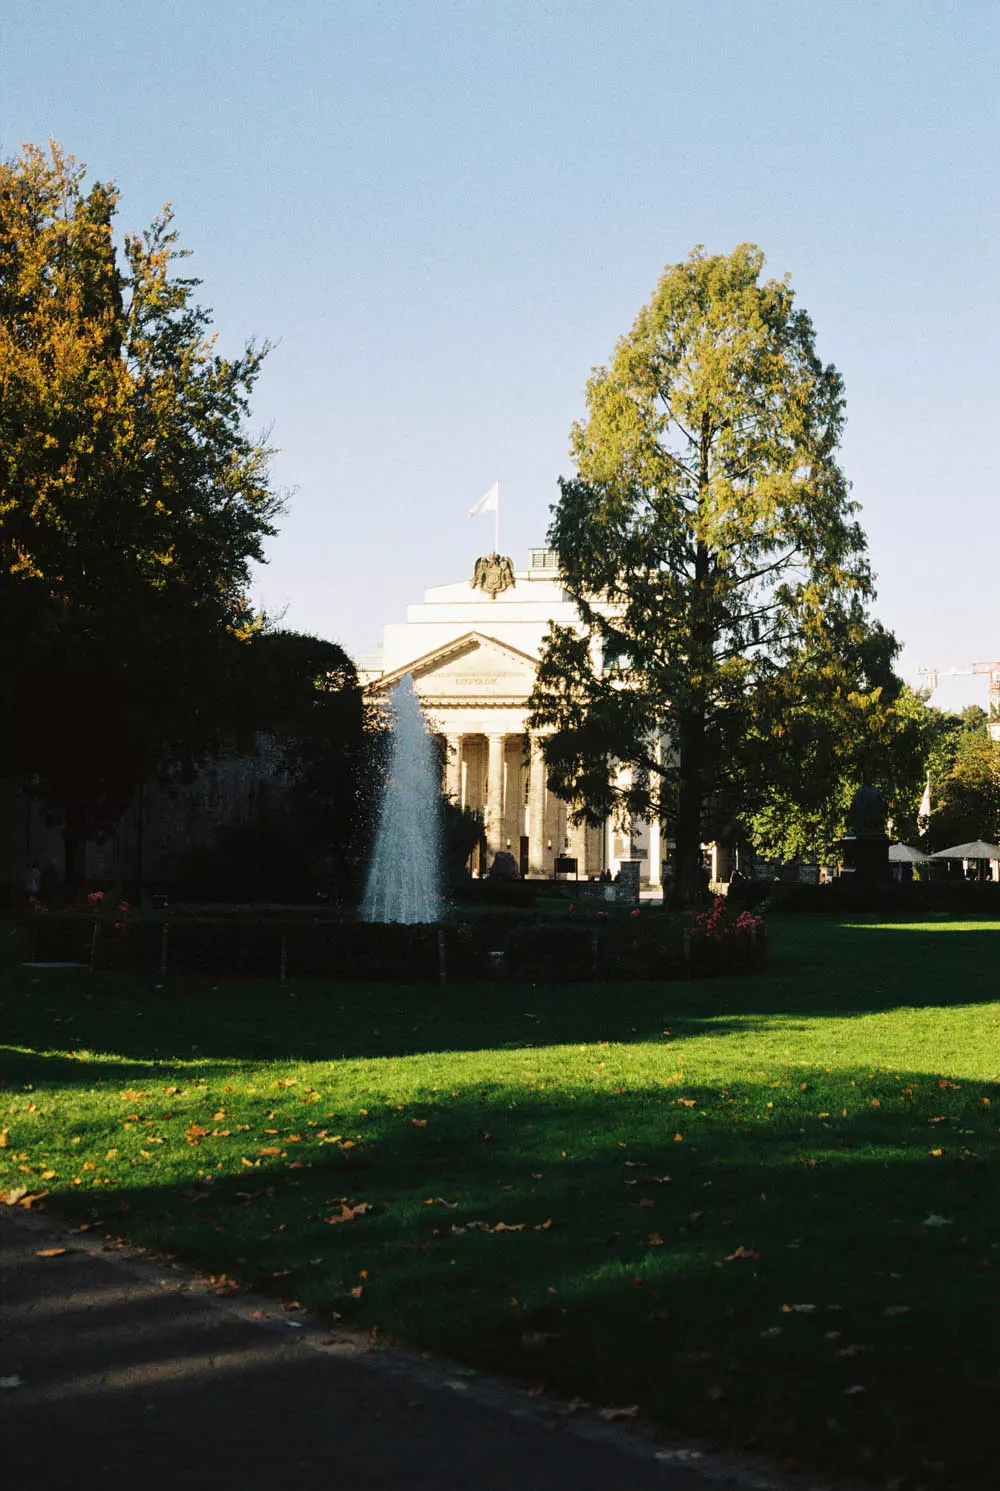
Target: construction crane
x,y
992,669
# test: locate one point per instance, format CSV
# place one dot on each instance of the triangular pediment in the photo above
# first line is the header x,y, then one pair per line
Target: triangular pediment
x,y
473,667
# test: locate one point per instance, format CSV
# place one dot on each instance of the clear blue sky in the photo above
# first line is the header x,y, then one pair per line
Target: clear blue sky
x,y
445,213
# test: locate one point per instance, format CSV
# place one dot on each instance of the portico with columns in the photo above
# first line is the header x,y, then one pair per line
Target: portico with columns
x,y
472,659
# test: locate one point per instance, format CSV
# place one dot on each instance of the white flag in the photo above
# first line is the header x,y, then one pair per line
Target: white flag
x,y
488,504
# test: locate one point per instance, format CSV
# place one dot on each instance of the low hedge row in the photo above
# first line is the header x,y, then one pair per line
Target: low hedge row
x,y
655,946
893,898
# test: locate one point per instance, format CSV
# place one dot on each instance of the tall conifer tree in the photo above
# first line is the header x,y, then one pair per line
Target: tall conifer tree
x,y
710,543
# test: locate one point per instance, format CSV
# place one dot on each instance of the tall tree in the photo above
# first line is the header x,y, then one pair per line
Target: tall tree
x,y
710,544
132,498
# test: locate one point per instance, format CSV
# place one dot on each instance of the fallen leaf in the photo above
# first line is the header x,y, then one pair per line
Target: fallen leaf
x,y
741,1252
797,1309
418,1123
654,1240
348,1213
610,1415
21,1196
272,1149
49,1252
897,1310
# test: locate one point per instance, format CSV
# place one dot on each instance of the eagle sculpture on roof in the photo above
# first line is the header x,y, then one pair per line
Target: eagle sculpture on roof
x,y
493,574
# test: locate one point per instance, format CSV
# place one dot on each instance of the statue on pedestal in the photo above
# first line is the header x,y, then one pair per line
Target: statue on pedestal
x,y
867,814
865,846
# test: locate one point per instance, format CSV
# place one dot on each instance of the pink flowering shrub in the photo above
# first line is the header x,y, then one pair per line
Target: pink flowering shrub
x,y
723,938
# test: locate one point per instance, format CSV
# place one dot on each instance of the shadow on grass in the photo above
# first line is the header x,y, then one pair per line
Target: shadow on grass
x,y
818,966
823,1284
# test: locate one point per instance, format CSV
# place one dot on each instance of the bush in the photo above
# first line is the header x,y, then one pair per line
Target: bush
x,y
583,947
258,862
551,954
749,894
520,894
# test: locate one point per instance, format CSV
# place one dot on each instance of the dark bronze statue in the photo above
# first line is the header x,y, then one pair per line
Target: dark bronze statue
x,y
867,814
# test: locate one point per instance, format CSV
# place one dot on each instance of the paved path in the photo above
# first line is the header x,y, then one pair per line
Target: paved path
x,y
134,1374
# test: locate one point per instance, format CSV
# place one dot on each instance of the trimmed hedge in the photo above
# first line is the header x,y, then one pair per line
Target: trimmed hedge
x,y
893,898
653,946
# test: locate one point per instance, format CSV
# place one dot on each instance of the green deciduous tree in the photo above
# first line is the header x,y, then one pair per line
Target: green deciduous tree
x,y
714,554
965,781
132,498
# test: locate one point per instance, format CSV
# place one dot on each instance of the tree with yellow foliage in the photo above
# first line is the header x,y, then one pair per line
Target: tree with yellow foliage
x,y
132,497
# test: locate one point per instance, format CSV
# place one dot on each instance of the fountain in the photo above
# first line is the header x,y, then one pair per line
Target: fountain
x,y
404,877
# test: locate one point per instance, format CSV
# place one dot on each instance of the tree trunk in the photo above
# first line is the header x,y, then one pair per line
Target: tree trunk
x,y
688,882
74,847
688,878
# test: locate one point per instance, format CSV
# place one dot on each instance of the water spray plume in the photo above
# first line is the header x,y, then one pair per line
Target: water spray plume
x,y
404,877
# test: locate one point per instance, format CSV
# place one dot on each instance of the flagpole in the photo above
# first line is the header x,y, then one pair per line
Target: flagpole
x,y
496,524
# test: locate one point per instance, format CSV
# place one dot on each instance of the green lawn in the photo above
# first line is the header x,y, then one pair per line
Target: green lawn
x,y
763,1209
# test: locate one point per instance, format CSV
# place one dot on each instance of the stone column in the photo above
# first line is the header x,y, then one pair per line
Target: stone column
x,y
536,809
453,768
494,795
578,846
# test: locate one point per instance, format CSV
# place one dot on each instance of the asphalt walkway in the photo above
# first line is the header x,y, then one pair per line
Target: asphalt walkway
x,y
120,1371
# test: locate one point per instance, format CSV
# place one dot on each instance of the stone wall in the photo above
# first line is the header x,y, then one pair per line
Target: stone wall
x,y
165,818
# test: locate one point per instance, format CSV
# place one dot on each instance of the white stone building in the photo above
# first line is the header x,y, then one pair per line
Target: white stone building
x,y
473,658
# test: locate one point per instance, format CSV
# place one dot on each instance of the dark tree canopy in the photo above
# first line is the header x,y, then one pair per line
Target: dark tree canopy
x,y
132,498
710,544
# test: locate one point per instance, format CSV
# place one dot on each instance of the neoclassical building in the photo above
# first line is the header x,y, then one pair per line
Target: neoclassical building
x,y
472,648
